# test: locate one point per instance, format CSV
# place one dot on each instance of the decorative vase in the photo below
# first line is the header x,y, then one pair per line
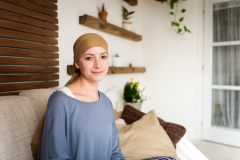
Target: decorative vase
x,y
127,24
103,15
137,105
117,61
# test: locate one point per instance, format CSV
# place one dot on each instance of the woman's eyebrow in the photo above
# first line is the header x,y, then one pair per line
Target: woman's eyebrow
x,y
90,54
87,54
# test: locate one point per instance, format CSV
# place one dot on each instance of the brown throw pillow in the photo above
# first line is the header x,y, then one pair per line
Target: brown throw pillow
x,y
174,131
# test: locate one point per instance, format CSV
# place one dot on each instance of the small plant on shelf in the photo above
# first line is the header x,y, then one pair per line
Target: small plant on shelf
x,y
117,60
102,14
126,16
103,8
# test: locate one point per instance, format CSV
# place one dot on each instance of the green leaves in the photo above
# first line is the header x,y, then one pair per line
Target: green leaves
x,y
172,3
181,19
176,23
179,30
186,30
132,92
103,8
126,14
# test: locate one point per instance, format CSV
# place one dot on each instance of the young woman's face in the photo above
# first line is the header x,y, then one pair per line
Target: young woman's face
x,y
93,64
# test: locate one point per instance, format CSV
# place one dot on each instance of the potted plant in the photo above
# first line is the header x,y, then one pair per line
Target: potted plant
x,y
126,16
132,94
102,14
117,61
176,23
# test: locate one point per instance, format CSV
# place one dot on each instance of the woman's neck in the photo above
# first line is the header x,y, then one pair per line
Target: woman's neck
x,y
84,90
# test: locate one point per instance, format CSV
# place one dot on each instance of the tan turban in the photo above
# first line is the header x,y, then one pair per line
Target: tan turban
x,y
81,45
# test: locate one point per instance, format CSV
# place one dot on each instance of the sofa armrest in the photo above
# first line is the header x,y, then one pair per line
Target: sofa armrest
x,y
187,151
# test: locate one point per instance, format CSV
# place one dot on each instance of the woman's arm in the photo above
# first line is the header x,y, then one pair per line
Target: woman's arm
x,y
54,138
116,151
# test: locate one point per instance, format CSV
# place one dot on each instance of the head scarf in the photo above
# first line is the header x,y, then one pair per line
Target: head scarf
x,y
81,45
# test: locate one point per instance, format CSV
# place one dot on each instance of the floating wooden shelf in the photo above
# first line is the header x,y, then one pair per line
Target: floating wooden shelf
x,y
132,2
120,70
101,25
115,70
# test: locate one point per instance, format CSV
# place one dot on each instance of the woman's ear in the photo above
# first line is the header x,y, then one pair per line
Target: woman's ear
x,y
76,65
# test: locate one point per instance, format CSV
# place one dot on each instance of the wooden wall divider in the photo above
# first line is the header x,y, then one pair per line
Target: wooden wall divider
x,y
29,56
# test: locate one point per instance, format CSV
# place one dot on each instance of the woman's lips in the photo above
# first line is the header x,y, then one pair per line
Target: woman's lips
x,y
97,72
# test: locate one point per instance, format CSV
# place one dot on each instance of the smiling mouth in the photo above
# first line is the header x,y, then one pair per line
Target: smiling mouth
x,y
99,72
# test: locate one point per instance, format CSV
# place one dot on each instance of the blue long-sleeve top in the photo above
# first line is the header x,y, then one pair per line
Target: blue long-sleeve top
x,y
77,130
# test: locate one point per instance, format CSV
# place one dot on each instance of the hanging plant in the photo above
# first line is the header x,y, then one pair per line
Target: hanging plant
x,y
176,23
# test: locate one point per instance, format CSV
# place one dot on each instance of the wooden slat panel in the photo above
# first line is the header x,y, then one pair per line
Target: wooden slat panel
x,y
47,4
22,86
27,12
28,77
27,61
101,25
26,20
27,45
27,28
54,1
26,36
33,6
9,93
20,69
27,53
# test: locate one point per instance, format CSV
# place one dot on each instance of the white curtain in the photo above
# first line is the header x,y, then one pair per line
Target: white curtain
x,y
226,64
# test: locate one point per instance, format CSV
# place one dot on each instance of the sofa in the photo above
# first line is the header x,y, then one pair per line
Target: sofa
x,y
21,114
19,118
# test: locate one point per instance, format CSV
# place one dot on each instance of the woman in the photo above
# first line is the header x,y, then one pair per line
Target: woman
x,y
79,122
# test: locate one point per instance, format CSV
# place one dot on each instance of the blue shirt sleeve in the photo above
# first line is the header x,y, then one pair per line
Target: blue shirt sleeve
x,y
54,137
116,151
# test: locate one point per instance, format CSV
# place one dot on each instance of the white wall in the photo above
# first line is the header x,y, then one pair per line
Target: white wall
x,y
70,30
173,62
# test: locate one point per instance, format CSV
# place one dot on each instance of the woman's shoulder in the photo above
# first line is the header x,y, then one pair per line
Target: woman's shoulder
x,y
103,96
57,95
105,99
59,98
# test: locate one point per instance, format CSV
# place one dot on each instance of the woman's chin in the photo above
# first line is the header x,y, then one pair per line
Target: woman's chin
x,y
97,78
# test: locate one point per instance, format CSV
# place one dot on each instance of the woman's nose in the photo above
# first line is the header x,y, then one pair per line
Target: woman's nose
x,y
97,63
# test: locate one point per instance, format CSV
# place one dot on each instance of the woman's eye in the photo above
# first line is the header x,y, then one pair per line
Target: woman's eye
x,y
88,58
104,57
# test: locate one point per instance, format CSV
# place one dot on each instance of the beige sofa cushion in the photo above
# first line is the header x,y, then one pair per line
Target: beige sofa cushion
x,y
39,98
145,138
117,114
18,122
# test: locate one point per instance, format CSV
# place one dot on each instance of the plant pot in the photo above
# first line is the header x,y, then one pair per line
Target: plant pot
x,y
137,105
103,15
117,61
127,24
